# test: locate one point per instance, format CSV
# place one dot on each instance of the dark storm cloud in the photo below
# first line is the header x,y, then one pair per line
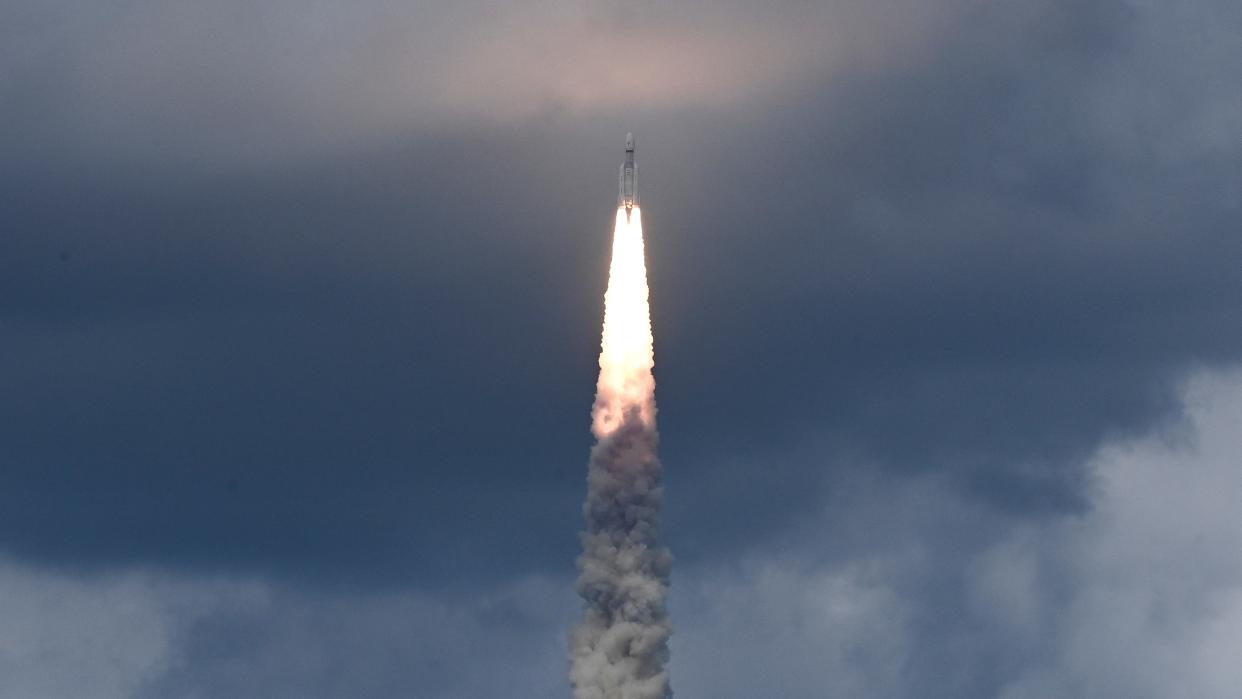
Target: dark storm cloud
x,y
918,592
969,266
951,259
317,371
316,293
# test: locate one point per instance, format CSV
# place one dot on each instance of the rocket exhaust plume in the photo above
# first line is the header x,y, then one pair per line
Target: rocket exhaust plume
x,y
620,648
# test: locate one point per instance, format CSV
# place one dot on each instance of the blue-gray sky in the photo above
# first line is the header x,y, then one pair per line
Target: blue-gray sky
x,y
300,305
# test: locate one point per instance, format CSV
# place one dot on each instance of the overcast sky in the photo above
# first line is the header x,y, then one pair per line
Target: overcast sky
x,y
300,308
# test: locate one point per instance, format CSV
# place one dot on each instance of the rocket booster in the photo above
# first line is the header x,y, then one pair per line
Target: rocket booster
x,y
628,197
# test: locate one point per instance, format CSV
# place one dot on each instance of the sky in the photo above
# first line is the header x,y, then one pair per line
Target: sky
x,y
299,321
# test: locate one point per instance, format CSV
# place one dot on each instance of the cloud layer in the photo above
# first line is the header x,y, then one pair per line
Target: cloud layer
x,y
1140,597
298,308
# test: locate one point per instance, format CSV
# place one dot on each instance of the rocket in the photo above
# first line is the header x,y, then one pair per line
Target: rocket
x,y
628,196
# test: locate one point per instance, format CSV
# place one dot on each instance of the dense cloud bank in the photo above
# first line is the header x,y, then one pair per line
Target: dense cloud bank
x,y
918,592
903,592
978,252
298,309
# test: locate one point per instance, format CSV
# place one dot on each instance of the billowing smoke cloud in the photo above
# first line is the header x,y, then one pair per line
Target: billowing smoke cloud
x,y
620,649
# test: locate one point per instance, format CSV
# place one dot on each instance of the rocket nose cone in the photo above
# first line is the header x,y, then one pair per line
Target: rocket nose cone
x,y
629,141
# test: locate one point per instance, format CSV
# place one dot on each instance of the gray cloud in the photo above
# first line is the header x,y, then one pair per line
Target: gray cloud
x,y
266,276
231,85
103,636
140,633
913,591
907,591
966,255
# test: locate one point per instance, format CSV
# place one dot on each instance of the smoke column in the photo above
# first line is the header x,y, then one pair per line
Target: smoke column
x,y
620,648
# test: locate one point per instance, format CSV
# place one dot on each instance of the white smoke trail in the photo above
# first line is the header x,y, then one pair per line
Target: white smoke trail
x,y
620,649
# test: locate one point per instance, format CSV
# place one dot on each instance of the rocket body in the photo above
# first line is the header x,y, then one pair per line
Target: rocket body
x,y
628,196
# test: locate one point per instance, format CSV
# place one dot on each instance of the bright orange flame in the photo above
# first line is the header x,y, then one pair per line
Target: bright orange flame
x,y
625,360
